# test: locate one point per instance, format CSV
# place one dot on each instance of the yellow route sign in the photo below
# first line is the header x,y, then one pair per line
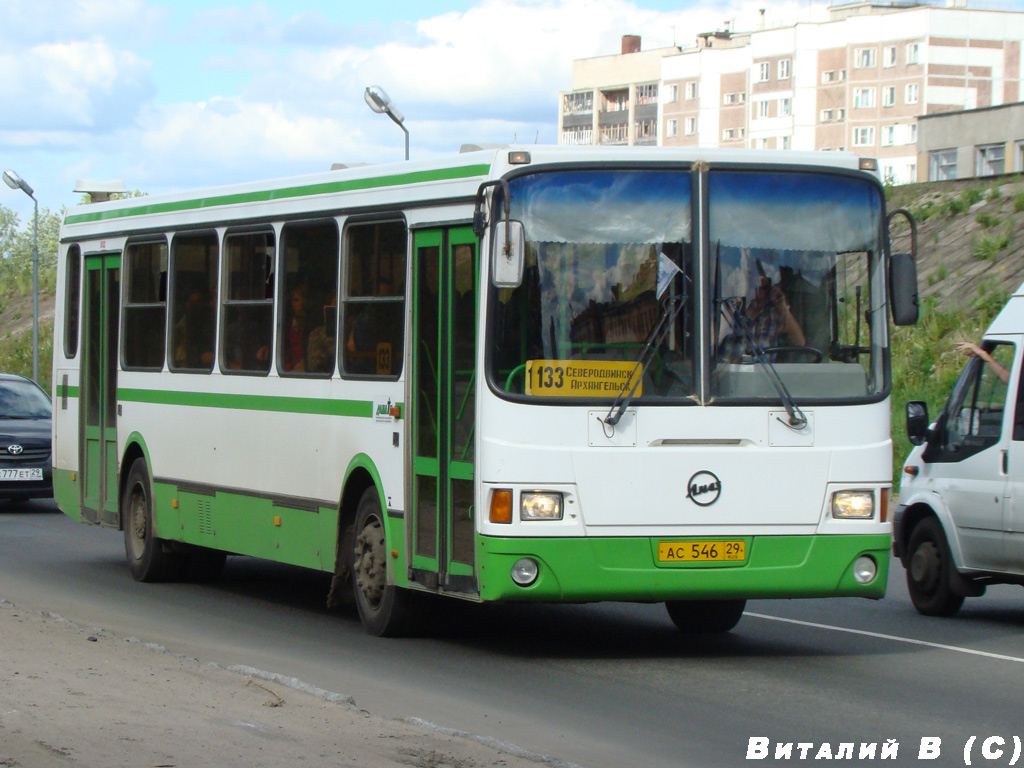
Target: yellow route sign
x,y
581,378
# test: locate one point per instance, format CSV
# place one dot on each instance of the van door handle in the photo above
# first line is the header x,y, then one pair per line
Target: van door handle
x,y
1006,462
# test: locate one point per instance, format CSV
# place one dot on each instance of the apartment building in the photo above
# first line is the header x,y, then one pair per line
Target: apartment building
x,y
858,81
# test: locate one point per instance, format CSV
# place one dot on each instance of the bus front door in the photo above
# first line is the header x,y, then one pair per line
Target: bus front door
x,y
98,415
443,409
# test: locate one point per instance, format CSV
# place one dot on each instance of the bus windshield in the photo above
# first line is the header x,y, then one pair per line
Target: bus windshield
x,y
792,284
590,297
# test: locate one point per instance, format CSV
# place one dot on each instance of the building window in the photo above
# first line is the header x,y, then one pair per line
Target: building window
x,y
942,165
864,58
827,115
913,134
888,96
691,90
647,94
910,93
616,101
889,56
760,144
1020,156
690,126
990,160
645,131
671,128
833,76
864,137
785,66
785,106
578,103
863,98
840,114
784,142
732,134
764,72
888,135
913,53
613,134
738,97
762,109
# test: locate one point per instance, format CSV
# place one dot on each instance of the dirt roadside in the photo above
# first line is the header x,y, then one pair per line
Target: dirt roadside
x,y
83,697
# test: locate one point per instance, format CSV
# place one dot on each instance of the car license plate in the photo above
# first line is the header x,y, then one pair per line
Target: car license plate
x,y
32,473
701,551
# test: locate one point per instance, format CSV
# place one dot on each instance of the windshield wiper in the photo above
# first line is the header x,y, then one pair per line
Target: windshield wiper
x,y
654,339
797,419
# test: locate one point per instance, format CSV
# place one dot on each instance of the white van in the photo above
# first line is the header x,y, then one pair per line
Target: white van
x,y
960,522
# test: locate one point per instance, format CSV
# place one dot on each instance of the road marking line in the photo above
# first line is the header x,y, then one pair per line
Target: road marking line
x,y
897,638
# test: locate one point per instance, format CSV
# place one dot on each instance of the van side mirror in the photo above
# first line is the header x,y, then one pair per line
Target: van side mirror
x,y
903,276
508,247
917,421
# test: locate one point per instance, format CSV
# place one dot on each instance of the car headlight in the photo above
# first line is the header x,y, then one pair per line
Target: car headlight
x,y
853,505
540,505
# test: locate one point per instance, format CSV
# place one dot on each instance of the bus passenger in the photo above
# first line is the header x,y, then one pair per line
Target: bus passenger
x,y
766,321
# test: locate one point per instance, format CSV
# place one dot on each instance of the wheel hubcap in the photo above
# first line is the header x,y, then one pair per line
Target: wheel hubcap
x,y
369,566
137,522
925,566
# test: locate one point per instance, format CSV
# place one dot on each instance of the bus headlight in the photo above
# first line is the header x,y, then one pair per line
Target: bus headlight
x,y
853,505
540,505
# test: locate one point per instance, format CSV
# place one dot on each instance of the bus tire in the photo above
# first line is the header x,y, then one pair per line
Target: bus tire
x,y
930,571
148,559
705,616
384,609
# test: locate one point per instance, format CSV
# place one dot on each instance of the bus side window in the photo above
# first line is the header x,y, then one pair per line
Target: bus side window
x,y
72,306
374,299
247,325
145,308
193,302
308,314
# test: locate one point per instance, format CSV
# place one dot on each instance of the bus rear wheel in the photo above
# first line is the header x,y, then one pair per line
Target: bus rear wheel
x,y
148,559
384,609
705,616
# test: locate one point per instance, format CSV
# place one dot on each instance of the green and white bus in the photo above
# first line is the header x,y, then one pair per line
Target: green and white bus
x,y
517,374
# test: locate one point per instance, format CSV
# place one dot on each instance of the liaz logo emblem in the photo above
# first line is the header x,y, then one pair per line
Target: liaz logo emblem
x,y
704,488
15,449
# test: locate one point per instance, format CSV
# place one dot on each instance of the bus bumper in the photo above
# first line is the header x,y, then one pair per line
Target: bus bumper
x,y
627,569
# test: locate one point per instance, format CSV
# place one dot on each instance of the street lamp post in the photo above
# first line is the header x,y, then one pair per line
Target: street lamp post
x,y
14,181
378,100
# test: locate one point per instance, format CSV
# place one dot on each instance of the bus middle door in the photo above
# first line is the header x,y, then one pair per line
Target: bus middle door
x,y
98,449
445,271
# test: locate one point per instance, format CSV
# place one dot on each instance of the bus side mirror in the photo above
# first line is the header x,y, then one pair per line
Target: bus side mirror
x,y
903,288
903,274
917,422
507,254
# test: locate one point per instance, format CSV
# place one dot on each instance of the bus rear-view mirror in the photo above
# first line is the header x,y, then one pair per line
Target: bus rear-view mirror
x,y
903,288
508,249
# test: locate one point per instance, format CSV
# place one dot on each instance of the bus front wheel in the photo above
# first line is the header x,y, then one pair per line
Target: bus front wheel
x,y
705,616
383,608
147,557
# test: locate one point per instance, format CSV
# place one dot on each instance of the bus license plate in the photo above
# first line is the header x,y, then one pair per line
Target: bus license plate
x,y
33,473
701,551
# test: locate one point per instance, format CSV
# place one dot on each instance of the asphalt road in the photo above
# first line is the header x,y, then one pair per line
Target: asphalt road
x,y
599,686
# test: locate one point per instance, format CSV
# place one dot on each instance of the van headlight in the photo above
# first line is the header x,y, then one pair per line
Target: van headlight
x,y
540,505
853,505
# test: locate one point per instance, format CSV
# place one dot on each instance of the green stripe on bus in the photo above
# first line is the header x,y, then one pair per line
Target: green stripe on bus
x,y
416,177
315,405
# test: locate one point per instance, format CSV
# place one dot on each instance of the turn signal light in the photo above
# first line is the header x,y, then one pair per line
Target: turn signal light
x,y
501,507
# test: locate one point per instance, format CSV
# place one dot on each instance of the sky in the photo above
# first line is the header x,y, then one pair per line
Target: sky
x,y
168,95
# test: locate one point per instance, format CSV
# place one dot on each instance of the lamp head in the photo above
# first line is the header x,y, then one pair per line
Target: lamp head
x,y
378,100
14,181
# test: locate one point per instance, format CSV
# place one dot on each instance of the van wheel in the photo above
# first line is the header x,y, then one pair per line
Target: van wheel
x,y
929,569
148,559
384,609
705,616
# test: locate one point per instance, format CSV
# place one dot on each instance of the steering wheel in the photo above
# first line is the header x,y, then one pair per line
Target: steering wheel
x,y
811,352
